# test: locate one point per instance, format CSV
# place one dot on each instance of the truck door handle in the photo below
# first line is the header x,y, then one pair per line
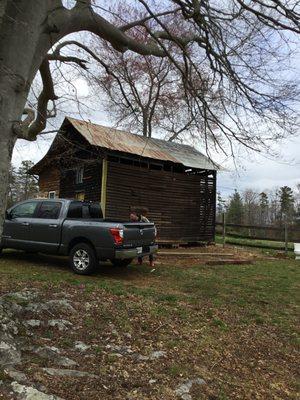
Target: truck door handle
x,y
25,223
53,226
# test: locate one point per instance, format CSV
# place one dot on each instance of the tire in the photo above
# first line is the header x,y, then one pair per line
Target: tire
x,y
83,259
121,263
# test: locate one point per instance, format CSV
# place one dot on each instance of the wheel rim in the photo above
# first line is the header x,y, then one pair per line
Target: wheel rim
x,y
81,260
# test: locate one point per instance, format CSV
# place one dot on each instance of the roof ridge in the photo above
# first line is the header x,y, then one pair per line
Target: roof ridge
x,y
140,136
140,145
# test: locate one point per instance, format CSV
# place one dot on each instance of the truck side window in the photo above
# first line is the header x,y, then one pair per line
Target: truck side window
x,y
25,210
49,210
75,210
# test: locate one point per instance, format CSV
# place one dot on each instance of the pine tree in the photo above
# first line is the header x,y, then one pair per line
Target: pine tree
x,y
235,209
264,207
22,186
12,196
286,203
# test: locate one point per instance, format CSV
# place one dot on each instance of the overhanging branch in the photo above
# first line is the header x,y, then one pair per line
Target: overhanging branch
x,y
30,128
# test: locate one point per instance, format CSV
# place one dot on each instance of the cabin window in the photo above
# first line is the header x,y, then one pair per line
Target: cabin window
x,y
80,196
79,174
52,194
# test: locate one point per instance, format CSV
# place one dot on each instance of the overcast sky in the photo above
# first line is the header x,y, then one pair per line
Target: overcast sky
x,y
250,170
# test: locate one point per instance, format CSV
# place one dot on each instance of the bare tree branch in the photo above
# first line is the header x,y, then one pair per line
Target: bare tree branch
x,y
142,21
27,129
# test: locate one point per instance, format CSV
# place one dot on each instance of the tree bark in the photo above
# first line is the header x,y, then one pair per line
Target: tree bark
x,y
20,34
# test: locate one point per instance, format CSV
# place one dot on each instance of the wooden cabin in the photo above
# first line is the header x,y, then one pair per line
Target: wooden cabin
x,y
122,170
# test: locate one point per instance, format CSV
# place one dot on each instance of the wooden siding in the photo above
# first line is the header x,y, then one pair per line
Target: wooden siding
x,y
91,185
49,180
181,205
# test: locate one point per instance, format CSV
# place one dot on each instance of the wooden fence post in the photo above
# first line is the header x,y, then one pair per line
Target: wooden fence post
x,y
285,236
224,228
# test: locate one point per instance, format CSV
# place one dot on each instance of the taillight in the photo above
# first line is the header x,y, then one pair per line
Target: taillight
x,y
118,235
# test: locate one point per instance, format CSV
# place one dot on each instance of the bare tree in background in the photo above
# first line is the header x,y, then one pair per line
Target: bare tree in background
x,y
244,44
251,212
144,93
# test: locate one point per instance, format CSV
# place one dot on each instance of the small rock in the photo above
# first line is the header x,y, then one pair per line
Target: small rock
x,y
81,346
33,323
66,362
24,295
46,351
68,372
36,307
123,350
157,354
30,393
142,358
61,324
183,390
9,326
9,354
153,356
61,305
151,381
16,375
52,353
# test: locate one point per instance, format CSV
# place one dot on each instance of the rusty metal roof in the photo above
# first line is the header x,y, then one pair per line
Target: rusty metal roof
x,y
118,140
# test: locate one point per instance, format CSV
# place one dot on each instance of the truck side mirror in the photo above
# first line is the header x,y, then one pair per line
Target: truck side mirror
x,y
8,215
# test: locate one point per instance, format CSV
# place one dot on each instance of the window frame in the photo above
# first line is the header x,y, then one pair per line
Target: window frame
x,y
51,192
79,175
37,205
49,202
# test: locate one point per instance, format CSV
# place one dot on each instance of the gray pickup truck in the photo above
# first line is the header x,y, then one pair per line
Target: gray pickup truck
x,y
77,229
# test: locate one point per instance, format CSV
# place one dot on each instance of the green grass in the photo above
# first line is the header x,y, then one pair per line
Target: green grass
x,y
210,315
264,244
268,287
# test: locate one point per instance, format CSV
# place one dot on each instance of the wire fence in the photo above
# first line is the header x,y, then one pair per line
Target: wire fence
x,y
285,233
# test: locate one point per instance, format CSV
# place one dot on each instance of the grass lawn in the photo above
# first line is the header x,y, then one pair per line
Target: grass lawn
x,y
234,326
259,243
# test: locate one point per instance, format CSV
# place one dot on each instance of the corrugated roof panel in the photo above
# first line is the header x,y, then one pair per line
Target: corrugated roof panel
x,y
123,141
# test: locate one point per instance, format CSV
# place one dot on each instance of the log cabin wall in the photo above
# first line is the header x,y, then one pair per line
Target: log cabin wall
x,y
90,186
49,181
182,205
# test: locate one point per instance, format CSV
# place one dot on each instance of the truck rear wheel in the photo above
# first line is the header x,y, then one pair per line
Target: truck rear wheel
x,y
121,263
83,259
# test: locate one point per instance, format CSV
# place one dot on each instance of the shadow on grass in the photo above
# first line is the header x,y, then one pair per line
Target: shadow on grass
x,y
54,263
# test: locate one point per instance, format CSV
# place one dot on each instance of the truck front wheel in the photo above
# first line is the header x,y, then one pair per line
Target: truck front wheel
x,y
121,263
83,259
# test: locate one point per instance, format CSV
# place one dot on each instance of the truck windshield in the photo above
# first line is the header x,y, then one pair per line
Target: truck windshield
x,y
85,210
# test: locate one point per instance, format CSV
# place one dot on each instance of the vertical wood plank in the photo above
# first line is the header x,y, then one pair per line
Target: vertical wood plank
x,y
104,185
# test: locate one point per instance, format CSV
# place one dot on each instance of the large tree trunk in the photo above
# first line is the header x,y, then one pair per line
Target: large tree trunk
x,y
21,53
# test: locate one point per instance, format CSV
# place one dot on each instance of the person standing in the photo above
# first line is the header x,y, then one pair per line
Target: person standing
x,y
140,215
143,218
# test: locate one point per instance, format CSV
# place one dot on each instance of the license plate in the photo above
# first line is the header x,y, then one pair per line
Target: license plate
x,y
139,250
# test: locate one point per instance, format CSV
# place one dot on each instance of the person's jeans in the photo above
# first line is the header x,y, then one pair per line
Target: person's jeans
x,y
151,258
